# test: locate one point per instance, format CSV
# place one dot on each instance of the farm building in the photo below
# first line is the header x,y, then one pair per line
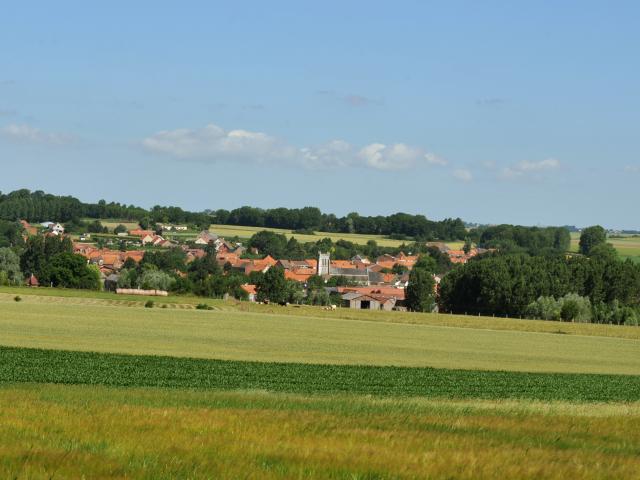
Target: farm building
x,y
365,301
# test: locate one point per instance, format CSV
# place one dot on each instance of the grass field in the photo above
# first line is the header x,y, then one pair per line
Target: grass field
x,y
53,431
185,302
627,246
229,231
262,391
271,337
361,239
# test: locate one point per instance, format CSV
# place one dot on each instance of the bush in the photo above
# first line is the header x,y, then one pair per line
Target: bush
x,y
17,298
575,308
544,308
156,280
570,308
149,304
203,306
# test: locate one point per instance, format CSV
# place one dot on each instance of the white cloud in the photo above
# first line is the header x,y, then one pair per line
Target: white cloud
x,y
27,134
528,168
336,153
212,143
463,174
393,157
433,159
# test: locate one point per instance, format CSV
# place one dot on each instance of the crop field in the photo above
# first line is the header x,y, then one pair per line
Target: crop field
x,y
65,431
229,231
94,385
67,367
111,223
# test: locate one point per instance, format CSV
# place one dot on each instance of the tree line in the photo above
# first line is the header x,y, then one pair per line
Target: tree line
x,y
39,206
595,286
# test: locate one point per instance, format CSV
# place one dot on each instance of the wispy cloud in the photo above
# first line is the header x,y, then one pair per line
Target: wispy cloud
x,y
528,169
433,159
30,135
462,174
214,144
8,113
632,169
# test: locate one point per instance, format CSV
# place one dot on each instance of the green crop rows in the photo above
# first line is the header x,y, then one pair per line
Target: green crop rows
x,y
67,367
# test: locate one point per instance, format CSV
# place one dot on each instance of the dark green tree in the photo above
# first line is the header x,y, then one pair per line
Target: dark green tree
x,y
591,237
273,286
420,294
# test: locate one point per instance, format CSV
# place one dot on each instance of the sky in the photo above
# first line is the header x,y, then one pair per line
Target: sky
x,y
493,111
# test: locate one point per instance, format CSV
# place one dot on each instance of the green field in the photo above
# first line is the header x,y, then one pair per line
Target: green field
x,y
240,335
94,385
229,231
627,246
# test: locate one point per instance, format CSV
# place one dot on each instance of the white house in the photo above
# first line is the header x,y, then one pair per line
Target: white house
x,y
56,228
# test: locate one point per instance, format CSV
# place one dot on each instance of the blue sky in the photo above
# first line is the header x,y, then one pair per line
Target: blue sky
x,y
491,111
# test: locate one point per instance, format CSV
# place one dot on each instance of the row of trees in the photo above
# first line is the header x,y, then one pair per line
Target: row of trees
x,y
39,206
519,239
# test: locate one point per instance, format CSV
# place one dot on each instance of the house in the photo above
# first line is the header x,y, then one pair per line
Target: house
x,y
32,281
56,229
389,261
205,238
180,228
155,240
251,291
141,233
327,269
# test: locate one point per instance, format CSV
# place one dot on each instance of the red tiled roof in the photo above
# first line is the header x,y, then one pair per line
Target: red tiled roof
x,y
249,288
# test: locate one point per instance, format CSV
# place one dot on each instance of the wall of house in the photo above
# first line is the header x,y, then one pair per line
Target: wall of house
x,y
357,304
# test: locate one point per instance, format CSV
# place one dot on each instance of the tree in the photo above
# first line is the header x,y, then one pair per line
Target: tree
x,y
467,246
120,229
273,286
156,280
420,290
269,243
592,237
70,271
544,308
10,273
603,251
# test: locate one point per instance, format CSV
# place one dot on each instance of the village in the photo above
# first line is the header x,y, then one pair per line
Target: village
x,y
366,283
